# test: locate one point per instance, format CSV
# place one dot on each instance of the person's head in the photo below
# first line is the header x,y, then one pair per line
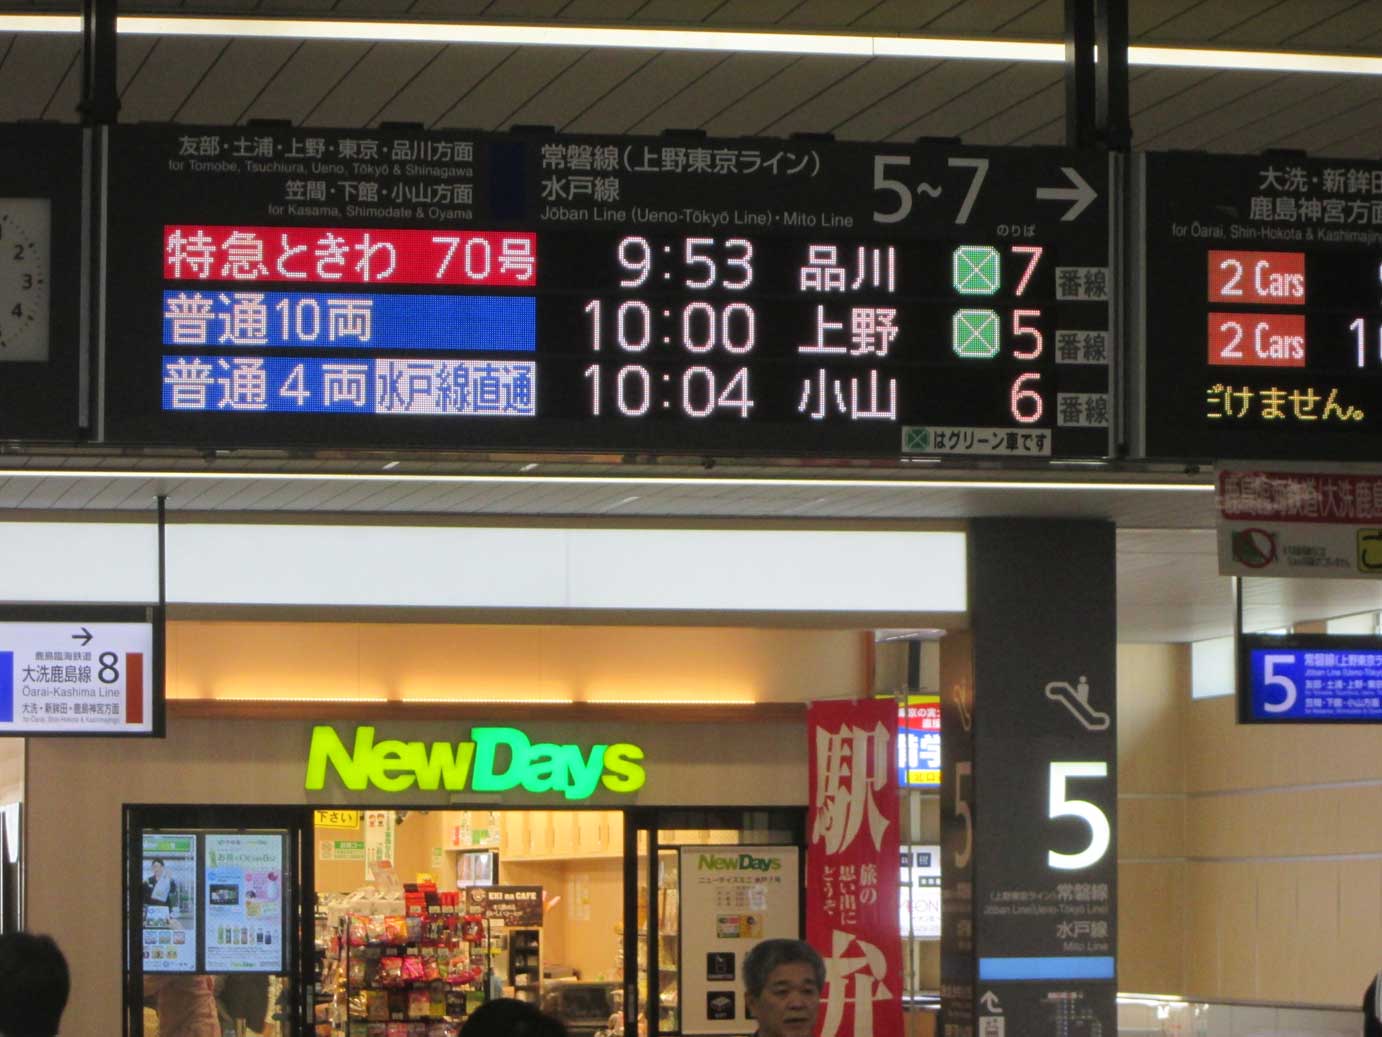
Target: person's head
x,y
34,985
158,867
782,986
507,1017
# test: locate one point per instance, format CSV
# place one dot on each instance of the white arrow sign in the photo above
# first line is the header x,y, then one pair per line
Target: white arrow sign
x,y
989,1003
1081,195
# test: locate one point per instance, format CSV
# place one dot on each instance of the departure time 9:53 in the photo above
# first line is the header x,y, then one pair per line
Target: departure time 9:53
x,y
699,329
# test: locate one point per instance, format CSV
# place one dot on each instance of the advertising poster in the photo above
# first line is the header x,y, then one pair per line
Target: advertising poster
x,y
244,902
852,899
920,902
168,891
919,742
518,907
731,898
379,835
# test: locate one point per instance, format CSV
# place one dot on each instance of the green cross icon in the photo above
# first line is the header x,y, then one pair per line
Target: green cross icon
x,y
916,439
974,334
975,270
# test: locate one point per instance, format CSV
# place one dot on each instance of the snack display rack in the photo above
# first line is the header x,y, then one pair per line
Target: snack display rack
x,y
409,967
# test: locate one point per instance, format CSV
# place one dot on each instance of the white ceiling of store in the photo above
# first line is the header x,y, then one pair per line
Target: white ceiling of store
x,y
1168,587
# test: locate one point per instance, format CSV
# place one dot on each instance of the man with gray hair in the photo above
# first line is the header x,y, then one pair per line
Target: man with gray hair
x,y
782,987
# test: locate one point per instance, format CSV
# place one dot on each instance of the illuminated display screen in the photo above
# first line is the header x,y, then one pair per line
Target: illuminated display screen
x,y
919,742
1309,678
757,298
1262,300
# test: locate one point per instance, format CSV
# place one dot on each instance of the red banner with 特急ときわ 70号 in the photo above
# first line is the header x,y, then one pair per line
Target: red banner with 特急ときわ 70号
x,y
852,872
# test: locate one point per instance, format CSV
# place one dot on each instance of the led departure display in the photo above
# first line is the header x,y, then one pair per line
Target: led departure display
x,y
1262,307
1309,679
481,291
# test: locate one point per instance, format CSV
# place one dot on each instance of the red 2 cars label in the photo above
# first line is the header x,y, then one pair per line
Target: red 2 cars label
x,y
1277,278
1257,339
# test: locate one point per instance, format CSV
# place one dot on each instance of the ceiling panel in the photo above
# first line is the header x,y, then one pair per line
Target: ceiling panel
x,y
902,16
923,95
704,97
372,8
749,12
1280,24
1009,125
988,17
1349,29
382,71
870,83
599,10
827,14
1336,131
159,84
970,107
1145,17
516,10
300,85
643,92
436,85
674,11
581,85
31,71
1208,21
1155,126
790,92
1339,98
1205,129
492,102
1044,21
238,75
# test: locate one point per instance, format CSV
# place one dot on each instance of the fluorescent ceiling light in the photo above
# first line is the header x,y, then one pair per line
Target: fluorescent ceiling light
x,y
831,44
714,481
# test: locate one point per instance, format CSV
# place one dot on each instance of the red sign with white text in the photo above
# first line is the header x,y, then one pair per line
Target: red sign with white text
x,y
344,255
1277,278
851,866
1257,339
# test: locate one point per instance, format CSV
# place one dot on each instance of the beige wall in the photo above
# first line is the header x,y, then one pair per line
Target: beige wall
x,y
449,661
1153,686
11,770
1285,846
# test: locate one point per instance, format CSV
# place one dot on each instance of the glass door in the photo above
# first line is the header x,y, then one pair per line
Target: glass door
x,y
657,837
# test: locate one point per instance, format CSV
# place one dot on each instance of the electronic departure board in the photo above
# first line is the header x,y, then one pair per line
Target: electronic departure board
x,y
1309,679
1261,307
40,265
746,297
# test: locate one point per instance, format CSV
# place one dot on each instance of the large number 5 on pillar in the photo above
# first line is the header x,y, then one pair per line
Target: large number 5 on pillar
x,y
1099,833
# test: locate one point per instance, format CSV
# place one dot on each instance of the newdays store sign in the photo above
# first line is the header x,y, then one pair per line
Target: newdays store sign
x,y
495,759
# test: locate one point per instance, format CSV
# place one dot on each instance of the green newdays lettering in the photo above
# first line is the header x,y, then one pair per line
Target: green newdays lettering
x,y
394,766
443,767
487,741
327,747
585,771
392,757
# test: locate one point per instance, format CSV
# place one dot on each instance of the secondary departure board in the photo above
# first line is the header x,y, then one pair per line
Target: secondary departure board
x,y
1262,307
652,295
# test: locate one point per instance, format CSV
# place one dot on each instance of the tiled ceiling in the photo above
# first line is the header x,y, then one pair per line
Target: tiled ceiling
x,y
354,84
1168,587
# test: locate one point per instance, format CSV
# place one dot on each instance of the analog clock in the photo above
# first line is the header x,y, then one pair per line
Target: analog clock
x,y
25,255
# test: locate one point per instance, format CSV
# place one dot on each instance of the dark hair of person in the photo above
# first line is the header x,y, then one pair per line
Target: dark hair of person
x,y
34,984
509,1017
767,955
157,860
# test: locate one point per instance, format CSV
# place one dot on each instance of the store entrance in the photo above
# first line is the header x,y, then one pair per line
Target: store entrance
x,y
400,922
421,915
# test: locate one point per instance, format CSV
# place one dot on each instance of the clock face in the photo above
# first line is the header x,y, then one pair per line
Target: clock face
x,y
25,254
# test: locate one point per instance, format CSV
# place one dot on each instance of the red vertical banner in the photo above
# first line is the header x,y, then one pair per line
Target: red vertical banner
x,y
852,871
134,687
